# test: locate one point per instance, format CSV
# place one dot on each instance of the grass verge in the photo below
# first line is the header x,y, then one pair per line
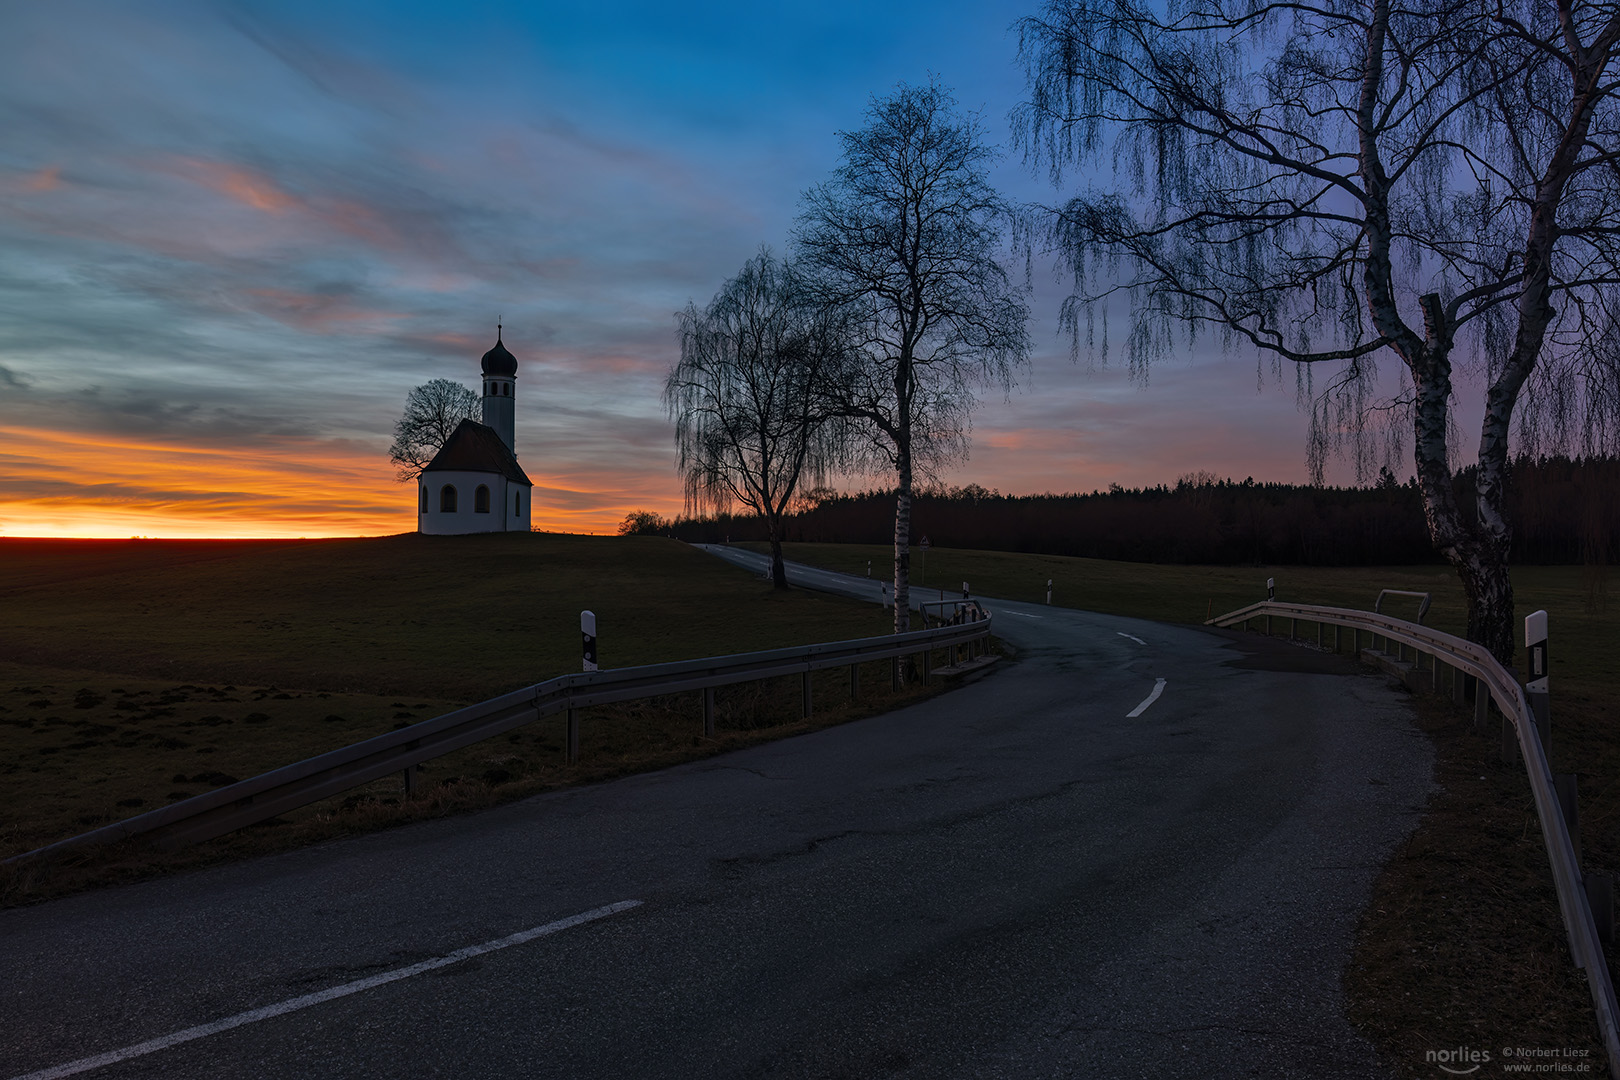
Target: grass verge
x,y
136,674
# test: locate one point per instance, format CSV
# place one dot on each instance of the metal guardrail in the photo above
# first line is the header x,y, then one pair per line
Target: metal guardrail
x,y
1504,689
262,797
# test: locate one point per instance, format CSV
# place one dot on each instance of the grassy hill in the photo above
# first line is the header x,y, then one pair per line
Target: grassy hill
x,y
455,618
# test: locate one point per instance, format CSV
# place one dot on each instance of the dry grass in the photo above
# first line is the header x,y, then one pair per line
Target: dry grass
x,y
136,674
1462,943
615,741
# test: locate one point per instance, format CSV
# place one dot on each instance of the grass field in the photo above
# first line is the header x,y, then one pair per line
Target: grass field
x,y
133,674
1462,944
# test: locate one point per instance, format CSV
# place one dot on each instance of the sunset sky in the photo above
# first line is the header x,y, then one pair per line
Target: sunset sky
x,y
234,235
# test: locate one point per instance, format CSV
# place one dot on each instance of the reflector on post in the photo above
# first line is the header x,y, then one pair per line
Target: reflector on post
x,y
587,630
1535,641
1535,688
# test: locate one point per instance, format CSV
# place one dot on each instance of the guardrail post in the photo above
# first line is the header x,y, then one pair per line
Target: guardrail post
x,y
409,777
1569,800
708,712
805,685
855,682
1510,741
571,737
927,665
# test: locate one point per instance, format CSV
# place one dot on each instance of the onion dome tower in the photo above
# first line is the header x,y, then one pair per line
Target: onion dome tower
x,y
500,385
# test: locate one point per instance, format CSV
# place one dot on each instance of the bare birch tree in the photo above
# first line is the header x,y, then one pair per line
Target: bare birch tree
x,y
750,421
432,412
905,241
1334,182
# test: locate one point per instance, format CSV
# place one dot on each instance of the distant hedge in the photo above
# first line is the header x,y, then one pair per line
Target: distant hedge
x,y
1563,511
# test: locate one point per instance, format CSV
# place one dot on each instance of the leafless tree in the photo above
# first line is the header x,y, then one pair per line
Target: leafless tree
x,y
432,412
904,240
1332,182
750,421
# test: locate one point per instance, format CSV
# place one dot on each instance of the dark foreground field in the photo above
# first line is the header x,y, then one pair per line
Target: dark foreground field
x,y
1462,944
136,673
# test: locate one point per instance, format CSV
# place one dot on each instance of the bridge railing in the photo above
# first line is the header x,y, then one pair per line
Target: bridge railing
x,y
262,797
1494,684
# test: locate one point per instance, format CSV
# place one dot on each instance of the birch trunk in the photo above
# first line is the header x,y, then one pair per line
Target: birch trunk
x,y
778,570
1477,549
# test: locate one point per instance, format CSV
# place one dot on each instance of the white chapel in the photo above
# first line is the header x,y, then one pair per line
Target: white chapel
x,y
474,484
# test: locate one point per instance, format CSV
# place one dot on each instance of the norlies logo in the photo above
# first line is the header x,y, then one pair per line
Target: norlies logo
x,y
1458,1062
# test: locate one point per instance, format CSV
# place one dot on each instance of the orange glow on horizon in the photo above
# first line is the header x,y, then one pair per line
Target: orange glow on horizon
x,y
62,484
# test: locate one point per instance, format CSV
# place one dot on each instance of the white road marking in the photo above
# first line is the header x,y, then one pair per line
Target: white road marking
x,y
1133,637
1021,615
294,1004
1158,688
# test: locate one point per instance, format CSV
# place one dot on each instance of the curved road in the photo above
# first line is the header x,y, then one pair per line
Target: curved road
x,y
1017,879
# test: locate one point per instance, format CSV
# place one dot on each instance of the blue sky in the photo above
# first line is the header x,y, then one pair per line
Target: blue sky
x,y
234,235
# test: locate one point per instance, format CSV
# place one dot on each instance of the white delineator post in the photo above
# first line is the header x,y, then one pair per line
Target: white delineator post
x,y
1048,590
1271,594
1535,689
587,631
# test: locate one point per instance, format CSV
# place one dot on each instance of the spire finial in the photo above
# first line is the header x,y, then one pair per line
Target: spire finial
x,y
497,331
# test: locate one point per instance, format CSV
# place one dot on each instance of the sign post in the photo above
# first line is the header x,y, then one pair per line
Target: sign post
x,y
587,631
1048,591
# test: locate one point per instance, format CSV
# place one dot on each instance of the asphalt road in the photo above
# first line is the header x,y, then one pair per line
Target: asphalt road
x,y
1013,880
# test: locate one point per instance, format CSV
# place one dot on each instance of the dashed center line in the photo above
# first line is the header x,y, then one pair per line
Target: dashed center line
x,y
1158,688
281,1008
1133,637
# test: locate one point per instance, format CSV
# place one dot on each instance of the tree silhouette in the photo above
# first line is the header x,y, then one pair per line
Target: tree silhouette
x,y
751,421
1332,183
904,241
432,412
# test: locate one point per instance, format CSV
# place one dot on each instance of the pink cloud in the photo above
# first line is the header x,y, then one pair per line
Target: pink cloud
x,y
242,185
46,179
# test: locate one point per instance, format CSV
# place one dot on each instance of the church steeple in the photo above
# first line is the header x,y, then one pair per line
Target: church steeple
x,y
500,388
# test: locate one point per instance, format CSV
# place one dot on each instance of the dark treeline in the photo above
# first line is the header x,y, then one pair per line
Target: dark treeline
x,y
1563,511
